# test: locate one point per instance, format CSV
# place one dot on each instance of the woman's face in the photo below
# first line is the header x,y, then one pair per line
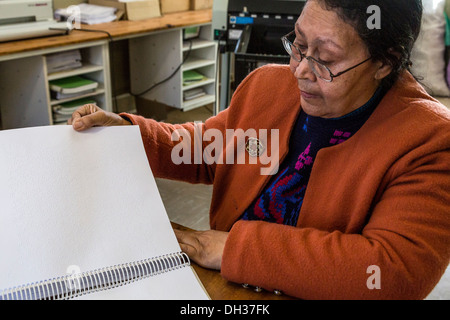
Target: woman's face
x,y
320,33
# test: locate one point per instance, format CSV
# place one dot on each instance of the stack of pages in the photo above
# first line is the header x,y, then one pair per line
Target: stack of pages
x,y
89,13
62,61
71,87
63,112
193,93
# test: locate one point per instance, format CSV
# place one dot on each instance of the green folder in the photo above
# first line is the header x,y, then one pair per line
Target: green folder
x,y
192,76
73,84
77,103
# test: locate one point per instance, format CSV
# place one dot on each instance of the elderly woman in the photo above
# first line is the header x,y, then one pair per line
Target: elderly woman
x,y
360,204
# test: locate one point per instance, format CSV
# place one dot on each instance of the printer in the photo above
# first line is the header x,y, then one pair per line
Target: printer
x,y
23,19
249,34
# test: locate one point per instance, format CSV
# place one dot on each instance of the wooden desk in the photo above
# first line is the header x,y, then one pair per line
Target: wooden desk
x,y
220,289
117,29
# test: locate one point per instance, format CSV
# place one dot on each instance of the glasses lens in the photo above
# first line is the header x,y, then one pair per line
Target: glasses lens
x,y
292,50
287,46
319,70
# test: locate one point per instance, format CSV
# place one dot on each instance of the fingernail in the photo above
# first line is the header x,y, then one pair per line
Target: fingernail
x,y
77,125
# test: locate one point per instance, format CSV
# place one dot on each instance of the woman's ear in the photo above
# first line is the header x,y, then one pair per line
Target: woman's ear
x,y
385,69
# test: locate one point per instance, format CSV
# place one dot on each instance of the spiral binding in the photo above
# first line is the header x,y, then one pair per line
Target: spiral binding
x,y
72,286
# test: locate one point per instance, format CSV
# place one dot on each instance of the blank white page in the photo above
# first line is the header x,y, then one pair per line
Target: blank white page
x,y
85,199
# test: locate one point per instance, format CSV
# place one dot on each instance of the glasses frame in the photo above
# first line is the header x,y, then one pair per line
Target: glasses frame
x,y
288,44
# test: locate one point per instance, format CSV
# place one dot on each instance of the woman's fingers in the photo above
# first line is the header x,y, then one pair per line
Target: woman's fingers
x,y
90,115
203,247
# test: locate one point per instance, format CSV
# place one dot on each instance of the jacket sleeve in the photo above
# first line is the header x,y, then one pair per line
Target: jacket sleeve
x,y
176,151
406,239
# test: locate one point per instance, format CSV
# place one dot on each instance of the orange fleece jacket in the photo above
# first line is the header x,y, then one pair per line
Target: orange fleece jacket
x,y
381,198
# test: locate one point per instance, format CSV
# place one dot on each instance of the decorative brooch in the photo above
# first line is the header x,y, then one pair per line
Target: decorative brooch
x,y
254,147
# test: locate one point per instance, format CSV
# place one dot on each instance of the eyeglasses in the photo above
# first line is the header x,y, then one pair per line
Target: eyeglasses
x,y
319,69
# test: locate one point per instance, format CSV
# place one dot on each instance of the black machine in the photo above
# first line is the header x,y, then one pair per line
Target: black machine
x,y
251,34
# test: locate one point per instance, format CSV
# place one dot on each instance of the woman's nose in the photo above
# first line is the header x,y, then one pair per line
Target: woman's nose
x,y
302,70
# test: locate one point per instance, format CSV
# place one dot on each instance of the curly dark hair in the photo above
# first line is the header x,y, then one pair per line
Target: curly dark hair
x,y
393,41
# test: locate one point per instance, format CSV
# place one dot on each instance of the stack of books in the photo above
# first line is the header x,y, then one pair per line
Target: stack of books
x,y
63,112
71,87
62,61
193,93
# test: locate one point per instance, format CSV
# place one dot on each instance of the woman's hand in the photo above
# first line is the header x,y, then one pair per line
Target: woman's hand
x,y
90,115
203,247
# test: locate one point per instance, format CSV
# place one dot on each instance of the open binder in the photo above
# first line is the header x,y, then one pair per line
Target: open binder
x,y
82,218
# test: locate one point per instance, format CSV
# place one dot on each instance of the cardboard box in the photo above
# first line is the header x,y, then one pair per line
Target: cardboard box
x,y
169,6
135,10
60,4
201,4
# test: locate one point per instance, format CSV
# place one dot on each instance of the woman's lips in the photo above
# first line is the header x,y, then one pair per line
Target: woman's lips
x,y
308,95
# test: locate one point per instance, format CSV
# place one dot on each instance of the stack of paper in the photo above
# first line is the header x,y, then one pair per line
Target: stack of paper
x,y
89,13
61,61
63,112
72,87
193,93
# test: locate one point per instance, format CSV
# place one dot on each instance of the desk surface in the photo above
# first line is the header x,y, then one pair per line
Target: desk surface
x,y
220,289
117,29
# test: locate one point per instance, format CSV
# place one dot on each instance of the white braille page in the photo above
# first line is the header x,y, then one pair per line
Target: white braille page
x,y
85,200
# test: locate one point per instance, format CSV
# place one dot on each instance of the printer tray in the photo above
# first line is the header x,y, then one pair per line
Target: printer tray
x,y
32,30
